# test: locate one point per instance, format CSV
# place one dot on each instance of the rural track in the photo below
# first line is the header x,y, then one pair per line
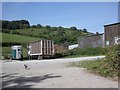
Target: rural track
x,y
53,73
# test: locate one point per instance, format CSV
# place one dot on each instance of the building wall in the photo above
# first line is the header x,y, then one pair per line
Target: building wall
x,y
95,40
112,32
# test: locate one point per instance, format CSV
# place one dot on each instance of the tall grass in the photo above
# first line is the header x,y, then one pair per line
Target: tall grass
x,y
77,52
107,67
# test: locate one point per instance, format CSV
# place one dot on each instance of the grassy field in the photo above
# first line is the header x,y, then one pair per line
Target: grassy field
x,y
17,38
11,38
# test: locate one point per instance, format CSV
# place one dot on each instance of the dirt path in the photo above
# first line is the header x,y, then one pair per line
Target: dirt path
x,y
51,74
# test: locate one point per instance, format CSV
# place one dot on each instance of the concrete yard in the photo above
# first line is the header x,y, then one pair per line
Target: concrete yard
x,y
52,73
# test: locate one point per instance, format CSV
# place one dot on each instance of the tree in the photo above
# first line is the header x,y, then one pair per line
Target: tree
x,y
25,22
85,30
34,26
17,24
39,26
60,27
73,28
5,24
54,28
80,30
48,27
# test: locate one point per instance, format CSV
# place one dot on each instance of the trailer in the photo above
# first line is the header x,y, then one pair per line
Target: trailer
x,y
41,49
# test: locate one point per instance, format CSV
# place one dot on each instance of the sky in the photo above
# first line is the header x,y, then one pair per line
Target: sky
x,y
90,15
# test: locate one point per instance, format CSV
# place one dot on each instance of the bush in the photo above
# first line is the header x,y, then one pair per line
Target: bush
x,y
112,60
15,32
58,55
5,31
86,51
107,67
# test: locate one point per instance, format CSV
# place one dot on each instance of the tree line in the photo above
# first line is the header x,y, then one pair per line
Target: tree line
x,y
57,34
22,24
13,25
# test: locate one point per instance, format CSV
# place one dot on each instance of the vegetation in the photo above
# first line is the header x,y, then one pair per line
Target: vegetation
x,y
57,34
20,32
107,67
77,52
12,25
10,39
112,61
7,38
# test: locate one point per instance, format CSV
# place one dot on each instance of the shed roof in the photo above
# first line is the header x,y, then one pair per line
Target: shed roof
x,y
112,24
91,35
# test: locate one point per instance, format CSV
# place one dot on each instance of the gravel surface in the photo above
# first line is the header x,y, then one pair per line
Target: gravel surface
x,y
52,73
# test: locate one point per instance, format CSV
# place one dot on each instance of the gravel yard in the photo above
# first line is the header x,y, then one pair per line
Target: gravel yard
x,y
52,73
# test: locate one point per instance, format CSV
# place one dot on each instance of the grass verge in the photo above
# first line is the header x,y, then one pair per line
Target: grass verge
x,y
99,67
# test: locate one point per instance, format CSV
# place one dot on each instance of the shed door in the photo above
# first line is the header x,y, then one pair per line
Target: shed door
x,y
14,53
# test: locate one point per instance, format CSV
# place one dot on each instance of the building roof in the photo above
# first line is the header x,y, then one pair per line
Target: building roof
x,y
111,24
91,35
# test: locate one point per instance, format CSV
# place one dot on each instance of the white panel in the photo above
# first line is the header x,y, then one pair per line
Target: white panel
x,y
36,54
41,47
107,43
116,40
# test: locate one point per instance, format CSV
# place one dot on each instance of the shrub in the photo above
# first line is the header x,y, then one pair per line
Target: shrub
x,y
107,67
15,32
86,51
6,31
112,60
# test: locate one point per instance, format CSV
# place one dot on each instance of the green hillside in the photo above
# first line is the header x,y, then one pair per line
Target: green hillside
x,y
57,34
17,38
19,32
9,39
